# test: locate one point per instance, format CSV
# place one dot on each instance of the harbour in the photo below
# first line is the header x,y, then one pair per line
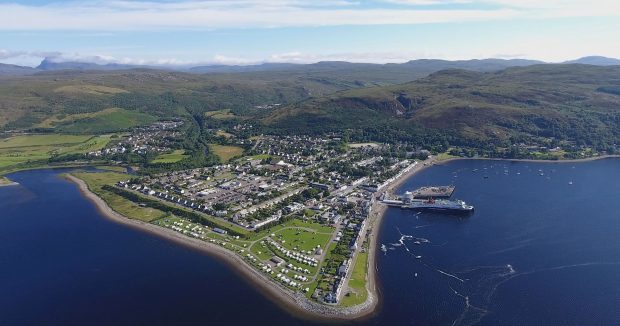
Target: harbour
x,y
410,200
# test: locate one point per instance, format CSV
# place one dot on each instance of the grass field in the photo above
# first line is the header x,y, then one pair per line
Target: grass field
x,y
106,121
112,168
173,157
357,282
37,149
225,153
119,204
41,140
443,156
302,239
51,122
90,89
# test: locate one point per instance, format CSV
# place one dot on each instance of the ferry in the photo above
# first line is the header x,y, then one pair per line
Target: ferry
x,y
439,205
430,204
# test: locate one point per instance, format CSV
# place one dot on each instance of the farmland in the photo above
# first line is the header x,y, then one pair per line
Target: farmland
x,y
35,150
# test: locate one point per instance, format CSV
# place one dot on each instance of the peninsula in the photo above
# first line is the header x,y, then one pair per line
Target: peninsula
x,y
304,233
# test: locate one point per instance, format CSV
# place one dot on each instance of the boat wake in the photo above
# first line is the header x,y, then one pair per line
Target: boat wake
x,y
474,285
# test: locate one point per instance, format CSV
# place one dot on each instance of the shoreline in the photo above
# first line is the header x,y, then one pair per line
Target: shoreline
x,y
576,160
295,304
6,182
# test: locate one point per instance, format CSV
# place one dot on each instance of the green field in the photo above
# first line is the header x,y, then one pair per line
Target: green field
x,y
119,204
173,157
89,89
109,120
41,140
225,153
112,168
357,282
302,239
35,150
443,156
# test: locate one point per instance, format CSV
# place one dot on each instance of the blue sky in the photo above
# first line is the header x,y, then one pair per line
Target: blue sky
x,y
251,31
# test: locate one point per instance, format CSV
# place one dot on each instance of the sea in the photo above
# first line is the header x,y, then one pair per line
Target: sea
x,y
541,248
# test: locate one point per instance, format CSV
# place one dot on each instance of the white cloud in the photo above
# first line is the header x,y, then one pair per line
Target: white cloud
x,y
139,15
124,15
8,54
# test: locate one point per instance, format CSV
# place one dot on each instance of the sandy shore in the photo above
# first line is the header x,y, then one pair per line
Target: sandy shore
x,y
5,182
294,303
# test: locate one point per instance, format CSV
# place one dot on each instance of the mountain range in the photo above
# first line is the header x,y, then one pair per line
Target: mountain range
x,y
418,68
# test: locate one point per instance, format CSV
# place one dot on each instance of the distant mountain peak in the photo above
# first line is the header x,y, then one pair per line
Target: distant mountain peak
x,y
51,64
596,61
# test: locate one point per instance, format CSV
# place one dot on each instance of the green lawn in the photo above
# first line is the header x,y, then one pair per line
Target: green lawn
x,y
119,204
357,283
443,156
302,239
173,157
261,251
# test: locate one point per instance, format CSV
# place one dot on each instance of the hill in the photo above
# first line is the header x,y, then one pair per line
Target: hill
x,y
14,70
576,103
49,65
59,89
596,61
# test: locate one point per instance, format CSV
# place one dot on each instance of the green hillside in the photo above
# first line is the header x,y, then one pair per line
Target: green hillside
x,y
563,102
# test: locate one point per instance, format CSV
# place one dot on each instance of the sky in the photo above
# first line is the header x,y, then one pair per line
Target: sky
x,y
192,32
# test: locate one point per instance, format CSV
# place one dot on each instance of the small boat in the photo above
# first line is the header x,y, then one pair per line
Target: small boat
x,y
383,248
486,177
417,242
570,182
416,274
418,257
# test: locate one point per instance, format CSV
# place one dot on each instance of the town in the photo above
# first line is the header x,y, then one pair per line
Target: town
x,y
296,209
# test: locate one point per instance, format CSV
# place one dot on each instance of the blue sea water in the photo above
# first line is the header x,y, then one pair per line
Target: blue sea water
x,y
537,251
